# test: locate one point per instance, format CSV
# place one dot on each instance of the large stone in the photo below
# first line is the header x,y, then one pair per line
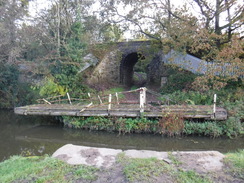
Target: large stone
x,y
199,161
76,155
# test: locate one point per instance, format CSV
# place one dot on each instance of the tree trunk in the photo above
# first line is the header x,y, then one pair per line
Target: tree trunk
x,y
217,17
229,19
58,28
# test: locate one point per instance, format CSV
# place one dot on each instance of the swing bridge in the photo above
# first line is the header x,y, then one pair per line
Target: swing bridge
x,y
141,102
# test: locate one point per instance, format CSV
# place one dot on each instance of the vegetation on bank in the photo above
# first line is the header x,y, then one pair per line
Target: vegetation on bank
x,y
151,169
230,97
43,169
236,163
172,126
47,169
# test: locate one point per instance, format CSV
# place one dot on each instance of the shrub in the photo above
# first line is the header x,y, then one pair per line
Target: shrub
x,y
178,80
211,129
171,124
190,97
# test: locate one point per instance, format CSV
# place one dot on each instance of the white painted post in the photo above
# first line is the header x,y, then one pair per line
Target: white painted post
x,y
117,98
46,101
109,101
89,95
214,105
142,99
69,99
100,100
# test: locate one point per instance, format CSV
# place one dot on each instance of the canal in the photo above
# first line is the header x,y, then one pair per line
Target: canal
x,y
37,135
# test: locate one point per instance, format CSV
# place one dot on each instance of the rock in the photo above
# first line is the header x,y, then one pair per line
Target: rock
x,y
76,155
146,154
199,161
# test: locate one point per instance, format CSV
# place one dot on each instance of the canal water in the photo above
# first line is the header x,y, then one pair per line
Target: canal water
x,y
37,135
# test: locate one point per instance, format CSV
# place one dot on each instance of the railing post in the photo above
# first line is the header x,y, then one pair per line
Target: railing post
x,y
117,98
142,99
109,101
214,105
89,95
100,100
69,99
46,101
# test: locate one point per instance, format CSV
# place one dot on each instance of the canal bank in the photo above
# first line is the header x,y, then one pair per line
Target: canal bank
x,y
96,165
36,135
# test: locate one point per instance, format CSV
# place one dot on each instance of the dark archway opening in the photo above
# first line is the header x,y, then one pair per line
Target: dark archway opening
x,y
127,70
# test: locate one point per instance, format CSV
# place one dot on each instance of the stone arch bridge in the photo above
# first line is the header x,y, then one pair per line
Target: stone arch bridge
x,y
117,64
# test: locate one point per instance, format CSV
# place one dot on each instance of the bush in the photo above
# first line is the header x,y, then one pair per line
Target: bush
x,y
178,80
211,129
9,75
233,127
170,125
190,97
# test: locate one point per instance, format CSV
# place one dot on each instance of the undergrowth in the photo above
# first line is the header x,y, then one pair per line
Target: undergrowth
x,y
171,125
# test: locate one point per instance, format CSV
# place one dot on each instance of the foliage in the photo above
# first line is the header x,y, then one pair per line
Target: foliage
x,y
177,28
11,13
110,33
8,85
177,79
212,129
50,88
171,124
230,97
233,127
13,93
26,95
189,97
123,125
42,169
236,163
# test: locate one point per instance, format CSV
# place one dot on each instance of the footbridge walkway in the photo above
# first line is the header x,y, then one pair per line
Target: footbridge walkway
x,y
133,103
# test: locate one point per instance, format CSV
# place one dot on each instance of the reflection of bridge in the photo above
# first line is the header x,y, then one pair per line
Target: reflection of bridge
x,y
117,104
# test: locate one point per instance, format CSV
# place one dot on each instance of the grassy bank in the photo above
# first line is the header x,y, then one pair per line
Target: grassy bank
x,y
47,169
169,126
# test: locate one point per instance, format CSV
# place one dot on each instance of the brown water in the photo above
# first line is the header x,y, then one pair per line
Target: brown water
x,y
36,135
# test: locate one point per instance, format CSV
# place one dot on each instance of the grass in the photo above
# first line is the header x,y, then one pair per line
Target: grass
x,y
174,160
47,169
42,169
190,177
149,169
137,169
236,163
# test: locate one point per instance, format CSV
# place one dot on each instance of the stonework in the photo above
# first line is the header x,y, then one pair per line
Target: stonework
x,y
117,65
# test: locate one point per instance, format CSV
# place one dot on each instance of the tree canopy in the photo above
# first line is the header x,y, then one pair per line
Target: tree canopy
x,y
58,36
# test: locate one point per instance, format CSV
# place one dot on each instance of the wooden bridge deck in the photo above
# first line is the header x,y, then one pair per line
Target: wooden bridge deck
x,y
123,110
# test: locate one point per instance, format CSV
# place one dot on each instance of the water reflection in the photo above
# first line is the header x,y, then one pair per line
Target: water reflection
x,y
36,135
